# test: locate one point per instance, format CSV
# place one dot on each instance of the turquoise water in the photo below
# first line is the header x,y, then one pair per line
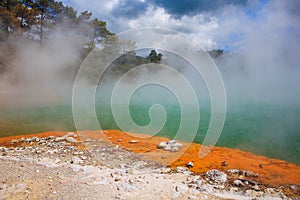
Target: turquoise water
x,y
261,128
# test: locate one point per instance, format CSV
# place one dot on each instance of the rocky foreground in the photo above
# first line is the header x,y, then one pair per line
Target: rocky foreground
x,y
62,166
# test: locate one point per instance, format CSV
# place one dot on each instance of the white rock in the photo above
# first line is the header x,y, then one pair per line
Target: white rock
x,y
83,157
190,164
50,152
71,140
182,169
70,134
165,170
216,176
35,139
172,146
181,188
59,139
75,160
238,183
256,188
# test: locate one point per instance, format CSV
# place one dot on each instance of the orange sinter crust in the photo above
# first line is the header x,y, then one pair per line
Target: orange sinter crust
x,y
272,172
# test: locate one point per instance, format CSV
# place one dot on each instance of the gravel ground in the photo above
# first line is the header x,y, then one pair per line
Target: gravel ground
x,y
60,168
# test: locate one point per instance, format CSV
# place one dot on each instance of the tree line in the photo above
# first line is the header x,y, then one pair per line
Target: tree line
x,y
36,19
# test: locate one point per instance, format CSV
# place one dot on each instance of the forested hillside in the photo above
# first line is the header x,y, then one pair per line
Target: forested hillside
x,y
34,33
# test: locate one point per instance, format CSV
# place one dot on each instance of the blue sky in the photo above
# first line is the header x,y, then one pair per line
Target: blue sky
x,y
215,24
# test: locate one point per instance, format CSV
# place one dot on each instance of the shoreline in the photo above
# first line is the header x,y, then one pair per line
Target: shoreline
x,y
273,172
112,164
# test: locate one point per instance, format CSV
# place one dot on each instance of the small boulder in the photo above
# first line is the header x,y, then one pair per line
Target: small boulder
x,y
189,164
238,183
70,134
255,187
165,170
216,176
172,146
71,140
14,141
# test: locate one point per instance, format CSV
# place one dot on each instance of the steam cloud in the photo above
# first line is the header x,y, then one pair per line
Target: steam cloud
x,y
39,74
260,64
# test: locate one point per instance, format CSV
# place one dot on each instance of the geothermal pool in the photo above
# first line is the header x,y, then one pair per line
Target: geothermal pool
x,y
261,128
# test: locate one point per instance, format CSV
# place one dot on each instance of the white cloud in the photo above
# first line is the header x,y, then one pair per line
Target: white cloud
x,y
101,9
226,26
199,27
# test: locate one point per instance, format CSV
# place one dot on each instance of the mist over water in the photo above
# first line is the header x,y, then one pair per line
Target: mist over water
x,y
261,79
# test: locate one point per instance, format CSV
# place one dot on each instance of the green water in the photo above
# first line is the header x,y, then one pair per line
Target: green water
x,y
264,129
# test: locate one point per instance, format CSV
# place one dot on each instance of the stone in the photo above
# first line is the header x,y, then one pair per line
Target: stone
x,y
118,178
238,183
233,171
35,139
216,176
242,172
250,174
224,163
294,187
70,134
4,149
50,152
59,139
83,157
181,188
189,164
172,146
165,170
194,181
71,140
50,137
75,160
42,141
181,169
28,140
256,188
133,141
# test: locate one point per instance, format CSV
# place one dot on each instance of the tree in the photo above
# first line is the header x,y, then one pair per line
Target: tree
x,y
70,14
8,4
154,57
49,12
99,30
85,16
42,6
26,14
8,22
215,53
